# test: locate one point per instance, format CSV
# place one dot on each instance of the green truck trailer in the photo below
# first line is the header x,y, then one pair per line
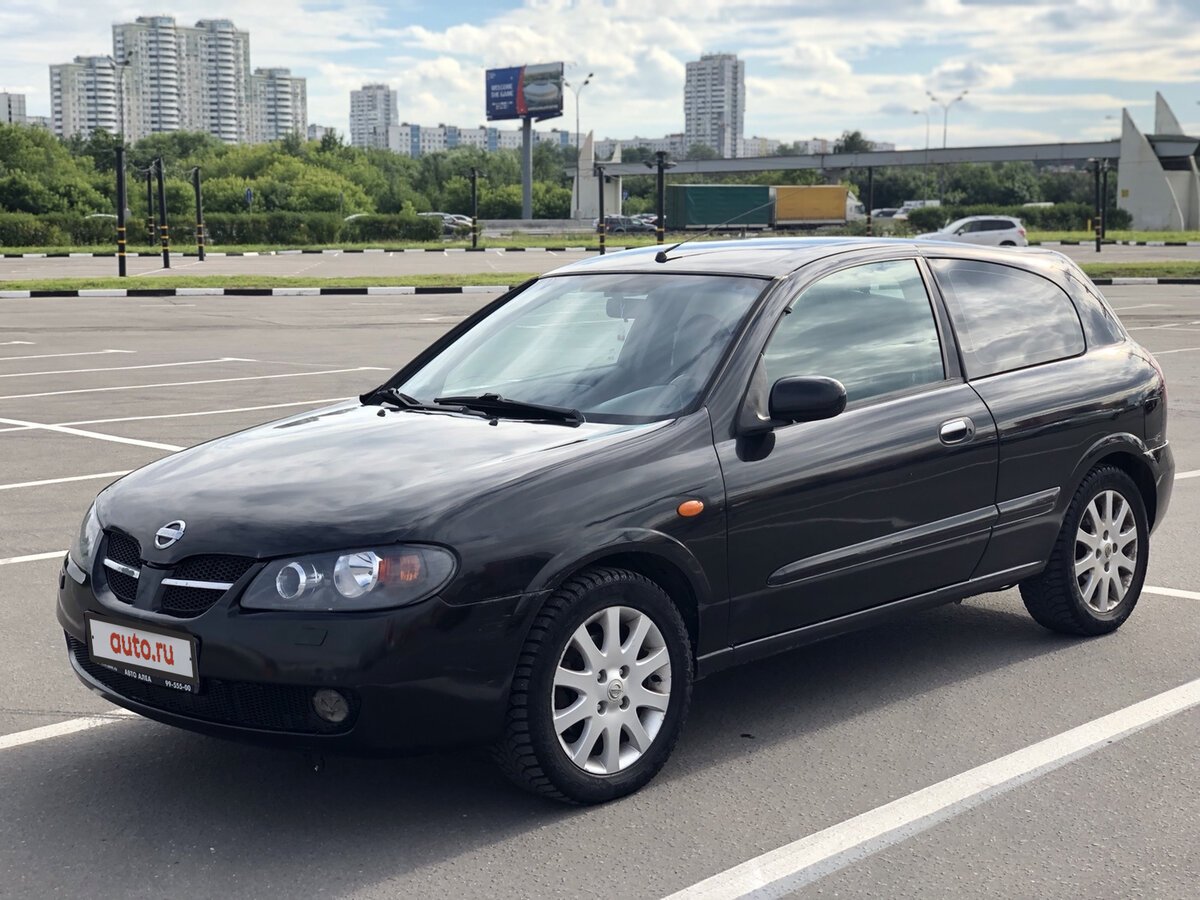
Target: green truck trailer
x,y
700,206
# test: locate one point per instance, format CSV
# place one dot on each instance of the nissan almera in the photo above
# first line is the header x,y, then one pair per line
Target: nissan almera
x,y
628,474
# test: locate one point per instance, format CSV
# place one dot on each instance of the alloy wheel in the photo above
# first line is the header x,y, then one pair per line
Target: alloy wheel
x,y
1106,551
612,687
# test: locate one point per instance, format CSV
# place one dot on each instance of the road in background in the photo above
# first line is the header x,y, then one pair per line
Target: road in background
x,y
773,751
397,264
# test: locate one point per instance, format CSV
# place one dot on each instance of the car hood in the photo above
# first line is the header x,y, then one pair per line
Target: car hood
x,y
338,477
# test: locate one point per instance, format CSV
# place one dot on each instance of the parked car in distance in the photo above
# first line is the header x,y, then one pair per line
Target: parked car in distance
x,y
992,231
625,475
626,225
452,223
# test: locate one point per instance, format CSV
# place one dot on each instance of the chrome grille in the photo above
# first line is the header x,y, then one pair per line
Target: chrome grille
x,y
122,565
198,582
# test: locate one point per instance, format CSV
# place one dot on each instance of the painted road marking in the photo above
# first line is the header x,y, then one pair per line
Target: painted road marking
x,y
33,557
44,481
9,343
1192,474
138,387
1171,592
211,412
55,355
1180,350
790,867
63,429
191,362
71,726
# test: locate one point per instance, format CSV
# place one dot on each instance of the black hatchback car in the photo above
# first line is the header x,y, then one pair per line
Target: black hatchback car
x,y
628,474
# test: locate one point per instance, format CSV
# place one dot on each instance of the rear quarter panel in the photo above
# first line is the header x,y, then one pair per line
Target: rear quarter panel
x,y
1055,421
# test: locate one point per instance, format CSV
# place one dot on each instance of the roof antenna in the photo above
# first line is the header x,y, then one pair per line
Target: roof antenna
x,y
661,255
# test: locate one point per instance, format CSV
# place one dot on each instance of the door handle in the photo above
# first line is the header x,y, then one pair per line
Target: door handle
x,y
957,431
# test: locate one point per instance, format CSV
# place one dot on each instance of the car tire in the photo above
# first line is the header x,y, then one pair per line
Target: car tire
x,y
619,687
1008,243
1087,588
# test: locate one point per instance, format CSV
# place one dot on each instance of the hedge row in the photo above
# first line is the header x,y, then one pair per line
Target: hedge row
x,y
64,229
1060,217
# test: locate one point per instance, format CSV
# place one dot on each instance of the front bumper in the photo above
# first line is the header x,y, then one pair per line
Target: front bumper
x,y
416,678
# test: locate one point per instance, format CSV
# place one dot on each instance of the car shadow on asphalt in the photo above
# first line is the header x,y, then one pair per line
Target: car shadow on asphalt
x,y
213,813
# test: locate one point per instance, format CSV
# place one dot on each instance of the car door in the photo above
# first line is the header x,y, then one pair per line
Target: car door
x,y
892,498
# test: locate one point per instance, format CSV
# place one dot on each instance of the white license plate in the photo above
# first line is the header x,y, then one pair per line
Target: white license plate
x,y
146,654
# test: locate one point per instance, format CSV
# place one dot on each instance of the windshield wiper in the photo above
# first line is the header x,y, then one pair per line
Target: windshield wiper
x,y
502,407
401,400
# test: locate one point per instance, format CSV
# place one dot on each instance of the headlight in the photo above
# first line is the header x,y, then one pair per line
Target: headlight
x,y
351,580
83,554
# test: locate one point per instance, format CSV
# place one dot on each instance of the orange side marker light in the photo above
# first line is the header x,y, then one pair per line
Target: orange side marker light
x,y
689,508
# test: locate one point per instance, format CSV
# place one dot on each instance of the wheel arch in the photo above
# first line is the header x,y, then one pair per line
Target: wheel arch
x,y
1127,453
663,560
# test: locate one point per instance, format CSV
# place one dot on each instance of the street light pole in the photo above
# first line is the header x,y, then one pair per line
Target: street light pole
x,y
118,70
660,163
576,90
946,112
925,167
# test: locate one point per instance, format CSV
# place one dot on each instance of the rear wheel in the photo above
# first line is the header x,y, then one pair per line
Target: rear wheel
x,y
1008,243
601,690
1098,565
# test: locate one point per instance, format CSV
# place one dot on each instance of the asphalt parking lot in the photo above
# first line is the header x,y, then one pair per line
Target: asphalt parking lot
x,y
396,264
93,802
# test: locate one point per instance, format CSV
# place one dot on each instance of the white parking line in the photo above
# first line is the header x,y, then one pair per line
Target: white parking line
x,y
1171,592
9,343
1139,306
170,365
790,867
1179,350
44,481
138,387
61,729
1192,474
55,355
210,412
95,435
33,557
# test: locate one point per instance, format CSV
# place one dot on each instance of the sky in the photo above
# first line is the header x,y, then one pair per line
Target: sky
x,y
1033,70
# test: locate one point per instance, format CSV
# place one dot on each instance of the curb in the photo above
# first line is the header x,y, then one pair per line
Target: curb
x,y
1108,242
330,252
394,289
261,292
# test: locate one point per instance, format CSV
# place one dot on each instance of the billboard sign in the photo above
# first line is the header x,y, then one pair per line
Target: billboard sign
x,y
525,92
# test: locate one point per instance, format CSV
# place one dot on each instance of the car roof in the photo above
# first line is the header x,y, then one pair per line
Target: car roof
x,y
988,216
761,257
769,257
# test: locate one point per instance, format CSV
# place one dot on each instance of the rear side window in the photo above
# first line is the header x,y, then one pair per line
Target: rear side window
x,y
1007,318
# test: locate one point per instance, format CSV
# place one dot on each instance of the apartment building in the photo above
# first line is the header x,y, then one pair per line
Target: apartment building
x,y
165,77
373,111
12,108
714,103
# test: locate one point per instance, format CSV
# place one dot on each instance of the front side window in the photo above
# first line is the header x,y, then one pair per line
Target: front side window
x,y
870,327
1006,318
618,348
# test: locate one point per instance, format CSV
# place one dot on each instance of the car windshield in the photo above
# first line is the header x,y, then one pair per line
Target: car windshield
x,y
618,348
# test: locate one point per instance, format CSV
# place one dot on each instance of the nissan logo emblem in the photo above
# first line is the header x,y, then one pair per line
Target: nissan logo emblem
x,y
169,534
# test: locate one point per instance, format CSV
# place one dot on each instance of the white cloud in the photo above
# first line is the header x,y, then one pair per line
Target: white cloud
x,y
814,67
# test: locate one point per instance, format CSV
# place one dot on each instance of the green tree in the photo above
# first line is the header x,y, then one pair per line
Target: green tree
x,y
852,142
701,151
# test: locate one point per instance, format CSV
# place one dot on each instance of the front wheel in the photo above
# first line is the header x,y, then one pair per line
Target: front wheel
x,y
1098,564
600,692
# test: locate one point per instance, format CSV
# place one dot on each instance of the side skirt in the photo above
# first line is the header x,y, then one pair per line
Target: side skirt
x,y
714,662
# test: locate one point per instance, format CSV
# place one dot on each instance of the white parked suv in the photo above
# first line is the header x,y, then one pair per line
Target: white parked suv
x,y
994,231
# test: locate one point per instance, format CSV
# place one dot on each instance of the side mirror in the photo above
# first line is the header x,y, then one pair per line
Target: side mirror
x,y
806,398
